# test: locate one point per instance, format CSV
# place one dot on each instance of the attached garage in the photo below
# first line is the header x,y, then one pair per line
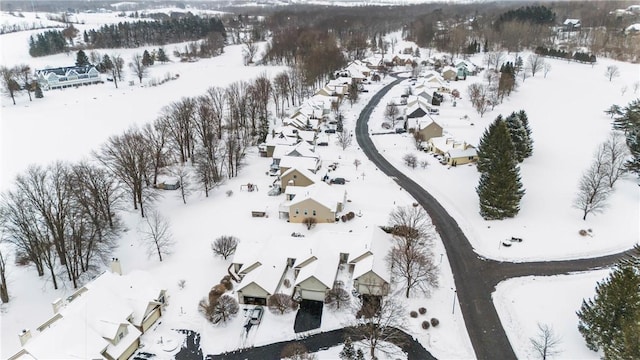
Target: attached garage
x,y
151,319
252,293
312,289
312,295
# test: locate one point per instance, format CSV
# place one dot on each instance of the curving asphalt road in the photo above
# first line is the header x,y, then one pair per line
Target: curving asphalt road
x,y
475,278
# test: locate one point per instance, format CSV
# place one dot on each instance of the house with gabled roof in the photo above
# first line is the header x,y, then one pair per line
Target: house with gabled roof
x,y
370,269
103,319
427,128
311,164
319,200
449,73
297,177
62,77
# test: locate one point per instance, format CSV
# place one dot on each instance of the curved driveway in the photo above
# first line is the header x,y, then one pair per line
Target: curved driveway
x,y
475,278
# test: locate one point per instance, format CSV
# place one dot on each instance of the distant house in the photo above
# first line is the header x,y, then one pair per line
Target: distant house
x,y
63,77
168,182
454,151
103,319
633,29
570,25
449,73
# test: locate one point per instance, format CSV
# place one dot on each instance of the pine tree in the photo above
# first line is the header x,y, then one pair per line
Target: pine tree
x,y
147,59
82,59
500,189
359,355
629,120
348,352
518,136
38,90
611,320
522,115
162,56
633,164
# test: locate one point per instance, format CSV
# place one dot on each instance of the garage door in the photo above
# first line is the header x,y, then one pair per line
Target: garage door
x,y
312,295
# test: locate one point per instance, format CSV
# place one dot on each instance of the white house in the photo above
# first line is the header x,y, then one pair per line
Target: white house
x,y
62,77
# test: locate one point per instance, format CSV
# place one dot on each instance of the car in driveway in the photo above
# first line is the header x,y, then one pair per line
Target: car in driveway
x,y
338,181
255,316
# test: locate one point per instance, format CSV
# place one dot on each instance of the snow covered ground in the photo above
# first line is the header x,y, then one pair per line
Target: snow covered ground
x,y
565,113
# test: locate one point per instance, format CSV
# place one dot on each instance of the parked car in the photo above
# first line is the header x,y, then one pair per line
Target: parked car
x,y
256,315
323,143
338,181
400,131
330,131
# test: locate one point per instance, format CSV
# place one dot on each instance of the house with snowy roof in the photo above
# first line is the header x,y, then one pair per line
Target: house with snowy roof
x,y
570,25
307,267
427,128
297,177
455,152
319,200
449,73
311,164
103,319
63,77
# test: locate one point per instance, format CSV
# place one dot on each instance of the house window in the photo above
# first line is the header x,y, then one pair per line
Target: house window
x,y
305,211
295,176
313,212
297,211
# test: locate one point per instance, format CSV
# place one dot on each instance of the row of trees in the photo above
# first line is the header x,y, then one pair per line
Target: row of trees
x,y
502,145
562,54
19,78
62,219
133,34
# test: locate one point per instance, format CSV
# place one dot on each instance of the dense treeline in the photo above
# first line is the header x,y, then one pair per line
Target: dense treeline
x,y
539,14
314,51
47,43
140,33
577,56
136,34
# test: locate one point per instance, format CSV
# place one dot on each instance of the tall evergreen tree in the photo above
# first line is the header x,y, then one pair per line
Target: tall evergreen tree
x,y
500,189
82,59
522,115
518,136
629,120
611,320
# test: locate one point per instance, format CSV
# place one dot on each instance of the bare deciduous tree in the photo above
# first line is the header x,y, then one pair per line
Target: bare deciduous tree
x,y
593,189
221,310
391,113
157,235
546,342
26,78
183,174
411,257
281,303
615,154
546,68
249,51
344,139
611,72
410,160
337,297
310,222
535,63
478,95
9,78
225,246
357,163
138,67
4,291
377,322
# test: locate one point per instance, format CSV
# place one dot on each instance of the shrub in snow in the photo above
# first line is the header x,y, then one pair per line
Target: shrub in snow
x,y
582,232
422,310
229,193
413,314
181,283
434,322
425,324
281,303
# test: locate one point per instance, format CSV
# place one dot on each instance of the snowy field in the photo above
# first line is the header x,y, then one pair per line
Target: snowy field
x,y
566,116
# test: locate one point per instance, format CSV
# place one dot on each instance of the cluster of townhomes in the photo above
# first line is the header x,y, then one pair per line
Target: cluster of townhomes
x,y
306,268
63,77
104,319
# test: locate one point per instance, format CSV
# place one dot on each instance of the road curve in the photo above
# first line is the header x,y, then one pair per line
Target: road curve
x,y
475,278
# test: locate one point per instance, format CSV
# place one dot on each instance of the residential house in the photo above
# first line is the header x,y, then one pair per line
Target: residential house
x,y
319,200
62,77
307,267
297,177
570,25
103,319
449,73
427,128
370,269
299,162
454,151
